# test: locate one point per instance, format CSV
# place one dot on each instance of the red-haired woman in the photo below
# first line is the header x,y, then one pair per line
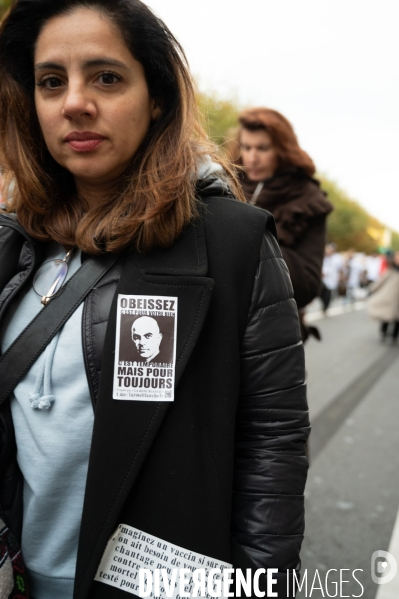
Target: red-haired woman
x,y
278,176
165,413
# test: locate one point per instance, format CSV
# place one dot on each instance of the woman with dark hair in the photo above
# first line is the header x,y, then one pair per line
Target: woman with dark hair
x,y
121,209
278,176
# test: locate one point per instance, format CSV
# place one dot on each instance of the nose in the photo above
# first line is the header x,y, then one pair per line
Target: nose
x,y
253,156
78,102
250,157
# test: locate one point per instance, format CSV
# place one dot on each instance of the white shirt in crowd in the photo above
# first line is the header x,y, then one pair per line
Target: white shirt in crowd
x,y
373,267
332,266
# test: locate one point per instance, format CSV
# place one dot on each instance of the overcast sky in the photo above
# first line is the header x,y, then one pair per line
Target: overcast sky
x,y
330,66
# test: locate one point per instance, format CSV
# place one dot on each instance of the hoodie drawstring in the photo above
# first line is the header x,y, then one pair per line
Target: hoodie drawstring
x,y
43,379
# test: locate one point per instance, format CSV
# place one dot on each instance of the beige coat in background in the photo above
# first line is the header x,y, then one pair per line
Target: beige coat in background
x,y
383,303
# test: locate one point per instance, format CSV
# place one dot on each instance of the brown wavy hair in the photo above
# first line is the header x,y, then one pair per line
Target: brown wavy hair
x,y
156,198
282,134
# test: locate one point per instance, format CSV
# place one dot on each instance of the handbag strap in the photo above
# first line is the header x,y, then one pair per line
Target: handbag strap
x,y
27,347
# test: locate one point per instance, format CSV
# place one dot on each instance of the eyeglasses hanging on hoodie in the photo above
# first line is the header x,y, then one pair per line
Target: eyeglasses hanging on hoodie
x,y
50,277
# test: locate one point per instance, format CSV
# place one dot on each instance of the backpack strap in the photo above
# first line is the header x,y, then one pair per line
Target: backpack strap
x,y
27,347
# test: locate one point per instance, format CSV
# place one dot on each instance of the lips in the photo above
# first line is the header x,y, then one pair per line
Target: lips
x,y
84,141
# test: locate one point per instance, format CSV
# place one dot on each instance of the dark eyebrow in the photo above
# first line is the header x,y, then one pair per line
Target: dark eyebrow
x,y
48,65
98,62
95,62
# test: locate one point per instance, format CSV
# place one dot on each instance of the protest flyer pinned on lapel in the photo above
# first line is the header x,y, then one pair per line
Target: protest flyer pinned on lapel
x,y
145,348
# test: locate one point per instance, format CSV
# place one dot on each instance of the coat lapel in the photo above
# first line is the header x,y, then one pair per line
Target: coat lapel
x,y
124,430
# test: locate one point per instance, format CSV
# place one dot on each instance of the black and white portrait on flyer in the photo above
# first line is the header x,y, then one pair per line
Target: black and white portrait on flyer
x,y
145,348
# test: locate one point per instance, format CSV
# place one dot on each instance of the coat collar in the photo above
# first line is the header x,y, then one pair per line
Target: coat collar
x,y
187,256
125,430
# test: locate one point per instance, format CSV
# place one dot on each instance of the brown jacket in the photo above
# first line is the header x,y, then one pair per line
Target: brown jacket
x,y
300,209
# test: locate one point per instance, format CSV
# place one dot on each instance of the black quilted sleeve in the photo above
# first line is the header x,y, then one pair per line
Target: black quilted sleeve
x,y
272,422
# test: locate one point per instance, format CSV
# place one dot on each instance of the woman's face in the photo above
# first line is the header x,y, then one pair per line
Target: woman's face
x,y
91,97
258,154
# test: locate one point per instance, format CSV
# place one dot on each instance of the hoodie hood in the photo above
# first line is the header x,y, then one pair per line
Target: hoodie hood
x,y
212,179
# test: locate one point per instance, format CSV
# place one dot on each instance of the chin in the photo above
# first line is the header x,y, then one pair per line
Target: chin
x,y
91,174
256,178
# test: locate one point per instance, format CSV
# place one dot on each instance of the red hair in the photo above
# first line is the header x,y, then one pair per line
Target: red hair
x,y
283,136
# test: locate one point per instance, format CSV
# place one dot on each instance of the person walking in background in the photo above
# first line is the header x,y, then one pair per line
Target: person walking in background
x,y
374,264
356,271
332,267
383,304
278,176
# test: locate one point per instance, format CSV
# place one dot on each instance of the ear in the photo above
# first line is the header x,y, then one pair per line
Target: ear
x,y
156,109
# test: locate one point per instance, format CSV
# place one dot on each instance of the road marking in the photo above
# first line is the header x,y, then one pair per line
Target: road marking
x,y
390,590
326,424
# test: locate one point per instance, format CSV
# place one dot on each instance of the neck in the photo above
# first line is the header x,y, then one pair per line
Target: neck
x,y
92,194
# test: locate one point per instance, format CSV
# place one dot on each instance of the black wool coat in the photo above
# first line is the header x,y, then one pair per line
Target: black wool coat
x,y
224,460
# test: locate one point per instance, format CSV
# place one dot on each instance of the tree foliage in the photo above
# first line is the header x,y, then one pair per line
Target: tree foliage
x,y
219,116
395,241
348,223
4,5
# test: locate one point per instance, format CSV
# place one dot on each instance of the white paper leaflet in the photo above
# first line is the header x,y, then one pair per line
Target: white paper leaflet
x,y
145,348
130,550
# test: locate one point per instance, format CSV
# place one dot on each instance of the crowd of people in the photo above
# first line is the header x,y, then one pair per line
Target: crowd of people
x,y
351,276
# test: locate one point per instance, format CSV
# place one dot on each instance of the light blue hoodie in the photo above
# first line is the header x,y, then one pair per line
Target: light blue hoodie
x,y
53,447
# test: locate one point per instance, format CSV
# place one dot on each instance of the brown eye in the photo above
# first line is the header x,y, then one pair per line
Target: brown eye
x,y
109,78
50,82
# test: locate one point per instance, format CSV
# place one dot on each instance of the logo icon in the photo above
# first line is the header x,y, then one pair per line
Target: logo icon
x,y
383,567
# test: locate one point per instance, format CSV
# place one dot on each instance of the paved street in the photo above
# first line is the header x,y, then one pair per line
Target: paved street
x,y
352,496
